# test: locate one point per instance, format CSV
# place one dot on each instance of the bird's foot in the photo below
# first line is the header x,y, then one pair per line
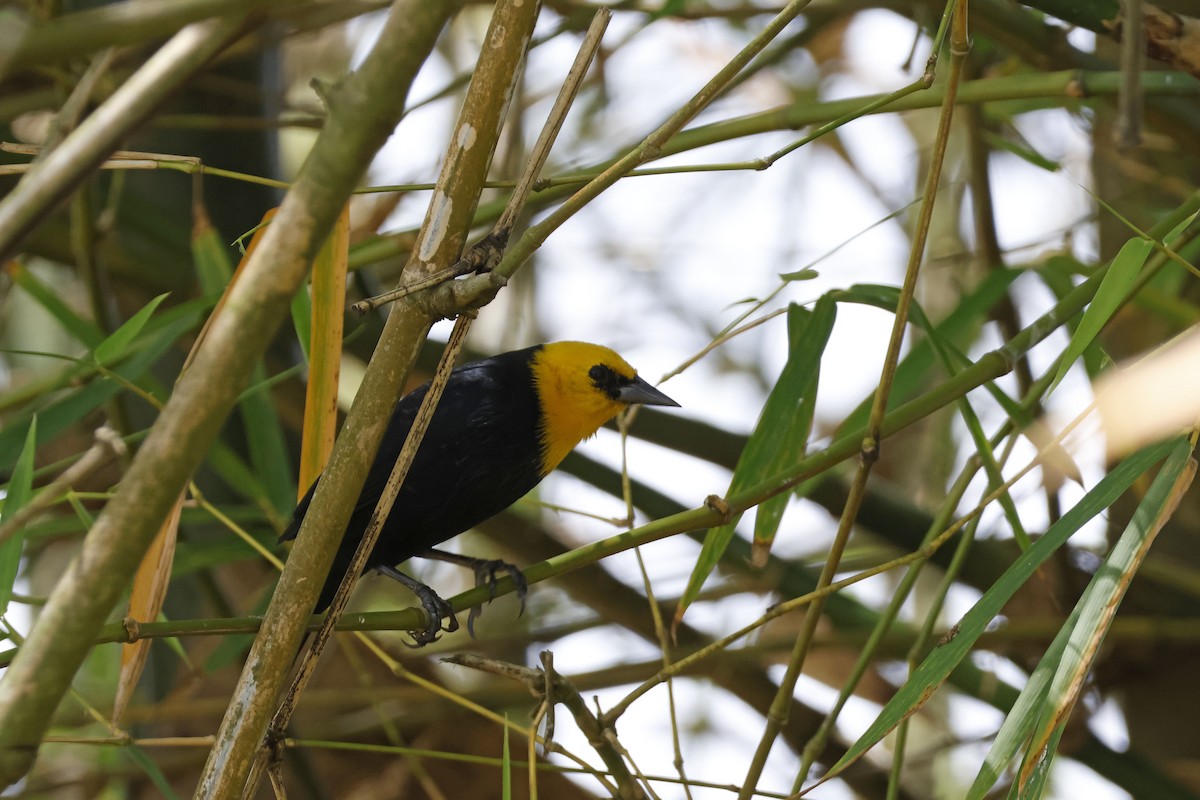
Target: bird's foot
x,y
488,572
435,607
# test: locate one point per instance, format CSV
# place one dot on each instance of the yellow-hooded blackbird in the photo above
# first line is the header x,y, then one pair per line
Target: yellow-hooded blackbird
x,y
502,425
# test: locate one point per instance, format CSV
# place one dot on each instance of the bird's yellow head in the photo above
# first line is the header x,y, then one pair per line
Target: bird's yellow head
x,y
582,386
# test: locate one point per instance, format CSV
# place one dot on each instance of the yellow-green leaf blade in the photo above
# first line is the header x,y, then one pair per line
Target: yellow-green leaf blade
x,y
17,494
779,431
934,670
1112,293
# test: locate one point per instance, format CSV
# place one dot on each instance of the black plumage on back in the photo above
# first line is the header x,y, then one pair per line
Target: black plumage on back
x,y
489,415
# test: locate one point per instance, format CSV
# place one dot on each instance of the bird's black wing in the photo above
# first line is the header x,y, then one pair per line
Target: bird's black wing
x,y
481,453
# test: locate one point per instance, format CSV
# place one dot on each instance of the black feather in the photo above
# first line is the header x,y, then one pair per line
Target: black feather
x,y
481,454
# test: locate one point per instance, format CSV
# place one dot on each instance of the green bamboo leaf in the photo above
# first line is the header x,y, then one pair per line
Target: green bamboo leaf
x,y
952,360
220,550
16,495
1023,151
233,470
82,329
302,319
1059,273
745,301
265,442
1170,279
39,393
138,756
791,423
189,313
1112,293
799,275
881,296
1104,593
1021,719
1036,786
934,670
260,422
118,341
57,416
778,435
210,255
1172,238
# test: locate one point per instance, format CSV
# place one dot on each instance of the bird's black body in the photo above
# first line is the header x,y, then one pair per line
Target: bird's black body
x,y
481,453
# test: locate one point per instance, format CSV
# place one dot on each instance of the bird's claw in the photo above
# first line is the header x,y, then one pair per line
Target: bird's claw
x,y
487,572
436,609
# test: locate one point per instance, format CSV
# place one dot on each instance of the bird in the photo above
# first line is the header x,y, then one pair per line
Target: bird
x,y
502,425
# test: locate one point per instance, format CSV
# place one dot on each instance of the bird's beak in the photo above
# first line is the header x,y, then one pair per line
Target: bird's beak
x,y
640,392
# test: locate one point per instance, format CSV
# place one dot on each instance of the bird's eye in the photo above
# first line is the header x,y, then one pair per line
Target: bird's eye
x,y
605,379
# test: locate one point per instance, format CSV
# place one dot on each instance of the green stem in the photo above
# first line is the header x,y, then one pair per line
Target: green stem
x,y
869,449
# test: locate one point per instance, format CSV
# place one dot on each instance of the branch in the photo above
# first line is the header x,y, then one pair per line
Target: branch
x,y
368,104
554,688
443,234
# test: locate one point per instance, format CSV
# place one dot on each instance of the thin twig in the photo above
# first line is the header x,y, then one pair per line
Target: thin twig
x,y
600,735
68,116
869,451
869,650
652,146
107,447
492,246
660,630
